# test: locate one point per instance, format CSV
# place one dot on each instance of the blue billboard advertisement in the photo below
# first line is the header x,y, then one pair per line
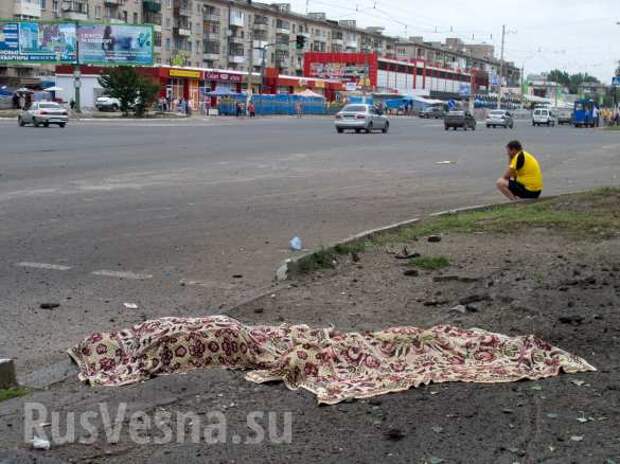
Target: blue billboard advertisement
x,y
37,42
115,44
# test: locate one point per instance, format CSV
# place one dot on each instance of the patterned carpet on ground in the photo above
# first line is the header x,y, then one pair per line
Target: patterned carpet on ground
x,y
334,365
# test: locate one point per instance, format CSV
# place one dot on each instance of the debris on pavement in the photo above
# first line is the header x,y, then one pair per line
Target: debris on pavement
x,y
49,305
445,162
130,305
406,254
41,443
394,434
296,244
411,273
434,238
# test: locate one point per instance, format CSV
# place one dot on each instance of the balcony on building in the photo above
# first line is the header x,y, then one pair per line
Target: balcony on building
x,y
337,39
182,8
237,18
76,10
27,9
211,15
236,55
149,17
182,28
210,56
210,35
151,6
237,39
113,2
261,23
282,27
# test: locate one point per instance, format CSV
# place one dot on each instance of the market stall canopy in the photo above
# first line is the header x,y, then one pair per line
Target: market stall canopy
x,y
222,92
309,93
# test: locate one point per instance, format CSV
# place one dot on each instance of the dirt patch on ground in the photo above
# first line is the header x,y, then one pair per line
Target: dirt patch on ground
x,y
550,268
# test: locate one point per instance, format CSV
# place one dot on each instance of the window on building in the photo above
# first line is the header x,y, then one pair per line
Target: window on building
x,y
125,16
168,43
135,18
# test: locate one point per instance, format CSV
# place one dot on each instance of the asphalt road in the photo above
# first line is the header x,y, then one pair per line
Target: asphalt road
x,y
192,217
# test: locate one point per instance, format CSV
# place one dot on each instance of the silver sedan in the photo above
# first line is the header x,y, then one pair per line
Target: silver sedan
x,y
361,118
44,113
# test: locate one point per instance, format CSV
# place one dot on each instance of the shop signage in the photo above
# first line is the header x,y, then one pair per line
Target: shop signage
x,y
185,73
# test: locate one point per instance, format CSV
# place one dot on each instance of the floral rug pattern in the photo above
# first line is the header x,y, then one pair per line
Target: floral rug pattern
x,y
333,365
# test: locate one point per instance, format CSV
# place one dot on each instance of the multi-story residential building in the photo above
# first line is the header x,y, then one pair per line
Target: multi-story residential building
x,y
234,34
456,55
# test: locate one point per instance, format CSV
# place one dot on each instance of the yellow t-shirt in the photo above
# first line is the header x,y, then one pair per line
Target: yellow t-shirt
x,y
528,171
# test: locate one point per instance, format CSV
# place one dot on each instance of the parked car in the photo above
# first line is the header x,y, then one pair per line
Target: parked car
x,y
501,118
44,113
456,119
432,112
543,116
361,118
107,104
564,116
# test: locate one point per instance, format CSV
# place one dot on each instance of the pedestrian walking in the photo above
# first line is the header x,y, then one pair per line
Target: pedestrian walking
x,y
299,109
252,110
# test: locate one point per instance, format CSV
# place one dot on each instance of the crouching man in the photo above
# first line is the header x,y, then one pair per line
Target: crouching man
x,y
523,177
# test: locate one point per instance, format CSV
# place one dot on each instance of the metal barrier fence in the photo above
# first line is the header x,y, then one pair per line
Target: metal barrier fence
x,y
274,104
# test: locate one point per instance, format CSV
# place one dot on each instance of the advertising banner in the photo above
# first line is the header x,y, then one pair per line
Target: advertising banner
x,y
115,44
37,42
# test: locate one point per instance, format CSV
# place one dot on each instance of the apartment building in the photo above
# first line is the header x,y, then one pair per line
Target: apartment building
x,y
237,34
457,55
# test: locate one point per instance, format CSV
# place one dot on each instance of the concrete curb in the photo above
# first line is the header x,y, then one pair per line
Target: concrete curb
x,y
7,374
291,266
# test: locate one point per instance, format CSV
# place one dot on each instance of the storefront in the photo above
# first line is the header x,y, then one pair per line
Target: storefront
x,y
193,84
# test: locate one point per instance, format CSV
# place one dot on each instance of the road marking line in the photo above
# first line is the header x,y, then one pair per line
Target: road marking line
x,y
54,267
122,274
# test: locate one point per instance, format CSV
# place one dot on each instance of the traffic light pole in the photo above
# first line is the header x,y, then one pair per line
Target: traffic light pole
x,y
263,50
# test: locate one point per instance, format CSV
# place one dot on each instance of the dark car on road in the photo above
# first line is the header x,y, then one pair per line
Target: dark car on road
x,y
456,119
432,112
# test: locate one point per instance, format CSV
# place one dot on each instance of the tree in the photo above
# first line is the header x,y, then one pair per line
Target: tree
x,y
130,88
147,93
571,81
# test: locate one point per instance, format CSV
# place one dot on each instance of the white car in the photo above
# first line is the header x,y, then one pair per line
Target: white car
x,y
543,117
501,118
107,104
361,117
44,113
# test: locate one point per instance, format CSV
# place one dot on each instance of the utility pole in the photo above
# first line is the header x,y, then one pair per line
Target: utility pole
x,y
501,69
77,83
250,70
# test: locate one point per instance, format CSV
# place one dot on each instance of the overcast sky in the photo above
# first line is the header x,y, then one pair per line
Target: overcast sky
x,y
577,36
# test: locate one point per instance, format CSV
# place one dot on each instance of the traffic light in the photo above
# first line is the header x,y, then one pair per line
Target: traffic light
x,y
301,42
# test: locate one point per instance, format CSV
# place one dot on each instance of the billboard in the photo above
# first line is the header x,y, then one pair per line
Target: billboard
x,y
115,44
37,42
58,42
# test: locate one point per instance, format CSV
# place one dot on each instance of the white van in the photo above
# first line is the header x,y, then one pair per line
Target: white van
x,y
543,116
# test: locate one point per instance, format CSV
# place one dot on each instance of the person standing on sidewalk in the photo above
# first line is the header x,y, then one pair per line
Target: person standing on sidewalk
x,y
523,177
299,109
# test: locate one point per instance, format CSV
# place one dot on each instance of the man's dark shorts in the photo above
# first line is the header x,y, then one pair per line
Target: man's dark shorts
x,y
519,190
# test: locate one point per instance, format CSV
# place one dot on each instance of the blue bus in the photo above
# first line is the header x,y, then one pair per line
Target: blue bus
x,y
583,113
